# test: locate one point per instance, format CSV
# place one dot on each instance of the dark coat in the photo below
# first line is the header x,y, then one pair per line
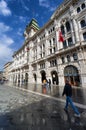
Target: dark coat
x,y
67,90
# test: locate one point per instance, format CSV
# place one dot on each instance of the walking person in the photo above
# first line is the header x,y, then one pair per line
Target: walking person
x,y
68,92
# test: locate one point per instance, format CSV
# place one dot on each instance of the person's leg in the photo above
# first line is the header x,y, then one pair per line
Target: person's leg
x,y
73,106
66,106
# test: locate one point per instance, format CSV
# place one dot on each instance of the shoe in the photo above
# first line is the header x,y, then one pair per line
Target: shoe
x,y
65,109
77,115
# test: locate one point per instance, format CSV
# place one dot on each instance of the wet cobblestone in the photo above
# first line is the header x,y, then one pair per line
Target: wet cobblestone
x,y
20,110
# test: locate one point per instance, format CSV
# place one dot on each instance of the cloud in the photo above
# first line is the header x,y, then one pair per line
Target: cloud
x,y
4,10
5,42
23,19
51,7
44,3
20,32
23,5
5,55
4,28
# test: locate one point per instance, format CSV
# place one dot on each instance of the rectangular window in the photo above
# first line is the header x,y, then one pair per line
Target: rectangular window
x,y
63,60
70,41
64,44
75,56
84,36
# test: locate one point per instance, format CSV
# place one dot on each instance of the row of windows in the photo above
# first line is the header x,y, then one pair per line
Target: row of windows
x,y
34,68
42,37
81,7
42,55
67,43
53,63
53,41
68,28
49,32
42,66
52,50
75,57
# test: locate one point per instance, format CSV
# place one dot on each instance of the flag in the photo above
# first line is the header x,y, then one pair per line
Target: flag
x,y
27,49
61,39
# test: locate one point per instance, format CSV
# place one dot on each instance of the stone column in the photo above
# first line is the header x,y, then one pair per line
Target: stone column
x,y
72,31
57,36
38,75
76,30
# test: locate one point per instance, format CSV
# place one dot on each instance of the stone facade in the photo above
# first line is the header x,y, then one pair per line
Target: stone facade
x,y
7,70
44,56
1,75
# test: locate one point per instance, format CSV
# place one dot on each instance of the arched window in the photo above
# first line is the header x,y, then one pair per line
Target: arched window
x,y
78,10
53,40
83,5
71,73
64,44
43,45
75,56
63,60
84,35
83,24
54,49
62,30
55,62
68,26
50,42
70,41
68,58
50,51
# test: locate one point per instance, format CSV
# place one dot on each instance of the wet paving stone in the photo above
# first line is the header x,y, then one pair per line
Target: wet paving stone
x,y
20,110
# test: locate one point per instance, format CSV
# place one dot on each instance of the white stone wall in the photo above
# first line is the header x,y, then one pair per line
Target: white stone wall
x,y
44,38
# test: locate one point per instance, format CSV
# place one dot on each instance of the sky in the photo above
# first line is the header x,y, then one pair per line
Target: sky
x,y
14,16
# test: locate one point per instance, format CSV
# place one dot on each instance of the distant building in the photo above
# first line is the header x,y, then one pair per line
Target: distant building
x,y
6,70
1,75
57,51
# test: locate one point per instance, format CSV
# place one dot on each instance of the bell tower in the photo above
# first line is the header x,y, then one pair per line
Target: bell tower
x,y
31,28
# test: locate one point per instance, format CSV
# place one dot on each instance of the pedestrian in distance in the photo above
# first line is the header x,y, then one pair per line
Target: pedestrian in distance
x,y
49,83
68,92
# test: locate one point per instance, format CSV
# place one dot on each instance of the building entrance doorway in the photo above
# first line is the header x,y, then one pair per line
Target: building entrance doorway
x,y
35,77
43,75
54,77
26,78
18,79
71,73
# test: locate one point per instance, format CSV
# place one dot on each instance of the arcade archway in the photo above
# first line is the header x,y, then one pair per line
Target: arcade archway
x,y
18,79
26,78
35,77
71,73
43,75
54,77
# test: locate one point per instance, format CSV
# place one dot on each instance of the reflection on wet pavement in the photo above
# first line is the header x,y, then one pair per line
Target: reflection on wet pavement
x,y
79,94
27,111
43,115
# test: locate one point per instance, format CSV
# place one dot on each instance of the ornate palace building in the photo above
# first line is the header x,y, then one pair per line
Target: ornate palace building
x,y
57,51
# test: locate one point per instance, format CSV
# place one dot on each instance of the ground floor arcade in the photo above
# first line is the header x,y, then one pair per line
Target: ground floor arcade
x,y
25,76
